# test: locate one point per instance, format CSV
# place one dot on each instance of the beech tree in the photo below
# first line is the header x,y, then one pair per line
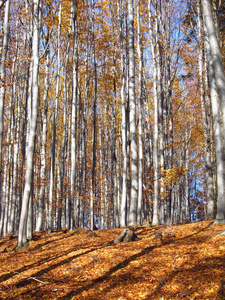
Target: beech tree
x,y
217,88
133,133
22,234
3,81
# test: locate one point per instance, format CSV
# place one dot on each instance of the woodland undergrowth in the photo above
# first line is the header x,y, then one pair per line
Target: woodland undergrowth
x,y
188,263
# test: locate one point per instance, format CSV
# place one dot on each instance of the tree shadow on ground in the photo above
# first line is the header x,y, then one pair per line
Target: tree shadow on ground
x,y
193,272
50,258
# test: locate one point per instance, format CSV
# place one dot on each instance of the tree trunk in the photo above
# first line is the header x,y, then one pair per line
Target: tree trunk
x,y
74,113
2,76
220,215
22,235
217,61
155,220
94,125
40,218
123,210
140,123
133,134
206,124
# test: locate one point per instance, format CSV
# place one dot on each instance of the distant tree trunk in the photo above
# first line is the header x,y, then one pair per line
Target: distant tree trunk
x,y
40,218
52,170
64,140
5,185
133,134
22,235
186,193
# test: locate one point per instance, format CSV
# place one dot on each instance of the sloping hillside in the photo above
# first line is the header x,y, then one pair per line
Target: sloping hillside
x,y
189,263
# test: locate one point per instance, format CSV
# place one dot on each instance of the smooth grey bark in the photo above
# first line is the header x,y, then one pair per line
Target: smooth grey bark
x,y
3,74
140,119
123,208
155,220
206,124
133,133
22,234
217,126
217,61
94,137
5,185
186,193
52,170
74,113
40,217
64,140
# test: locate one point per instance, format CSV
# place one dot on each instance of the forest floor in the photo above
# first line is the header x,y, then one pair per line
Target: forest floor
x,y
188,264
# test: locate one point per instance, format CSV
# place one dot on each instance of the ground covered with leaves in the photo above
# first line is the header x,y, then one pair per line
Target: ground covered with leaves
x,y
189,263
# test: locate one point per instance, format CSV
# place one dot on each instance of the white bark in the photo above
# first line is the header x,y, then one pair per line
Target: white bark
x,y
40,218
155,220
123,209
220,216
133,133
22,238
140,123
206,125
216,56
74,111
2,74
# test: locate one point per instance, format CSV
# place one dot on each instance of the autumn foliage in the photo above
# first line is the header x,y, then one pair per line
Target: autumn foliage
x,y
187,264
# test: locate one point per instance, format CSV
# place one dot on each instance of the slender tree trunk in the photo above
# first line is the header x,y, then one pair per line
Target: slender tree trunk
x,y
22,235
74,113
133,134
94,124
155,220
3,76
123,210
40,218
140,123
52,170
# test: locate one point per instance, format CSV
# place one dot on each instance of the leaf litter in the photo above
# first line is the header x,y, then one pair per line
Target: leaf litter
x,y
188,263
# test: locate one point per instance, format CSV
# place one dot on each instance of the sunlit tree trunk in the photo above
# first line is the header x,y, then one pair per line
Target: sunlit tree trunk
x,y
22,234
217,61
40,217
133,134
74,113
220,215
155,220
94,137
123,209
5,185
3,74
140,123
206,123
186,192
